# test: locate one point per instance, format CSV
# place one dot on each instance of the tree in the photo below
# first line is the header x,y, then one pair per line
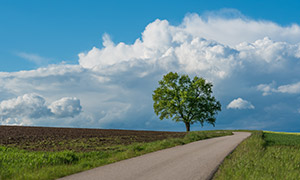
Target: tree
x,y
186,100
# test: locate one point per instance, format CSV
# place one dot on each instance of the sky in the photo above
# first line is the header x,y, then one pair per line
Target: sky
x,y
95,64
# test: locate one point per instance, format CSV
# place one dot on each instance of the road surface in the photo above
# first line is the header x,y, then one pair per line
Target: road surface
x,y
197,160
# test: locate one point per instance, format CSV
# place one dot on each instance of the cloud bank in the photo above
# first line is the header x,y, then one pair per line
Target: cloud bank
x,y
242,57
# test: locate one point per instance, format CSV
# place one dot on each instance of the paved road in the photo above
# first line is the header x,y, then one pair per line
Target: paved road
x,y
197,160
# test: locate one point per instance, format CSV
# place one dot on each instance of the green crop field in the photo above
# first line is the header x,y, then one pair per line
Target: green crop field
x,y
265,155
27,161
282,139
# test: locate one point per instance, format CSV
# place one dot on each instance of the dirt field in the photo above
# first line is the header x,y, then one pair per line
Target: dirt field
x,y
77,139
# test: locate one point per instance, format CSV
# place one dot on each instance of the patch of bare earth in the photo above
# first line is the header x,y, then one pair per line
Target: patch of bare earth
x,y
76,139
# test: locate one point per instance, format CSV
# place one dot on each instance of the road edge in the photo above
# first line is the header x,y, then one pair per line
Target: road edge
x,y
211,176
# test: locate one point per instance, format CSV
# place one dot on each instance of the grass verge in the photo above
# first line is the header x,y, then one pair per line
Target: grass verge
x,y
264,155
21,164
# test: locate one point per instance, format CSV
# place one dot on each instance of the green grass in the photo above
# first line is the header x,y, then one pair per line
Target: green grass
x,y
21,164
282,139
264,155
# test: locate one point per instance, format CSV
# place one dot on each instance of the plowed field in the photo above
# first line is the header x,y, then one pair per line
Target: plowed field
x,y
76,139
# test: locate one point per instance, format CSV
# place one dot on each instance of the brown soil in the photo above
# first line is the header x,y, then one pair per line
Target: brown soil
x,y
77,139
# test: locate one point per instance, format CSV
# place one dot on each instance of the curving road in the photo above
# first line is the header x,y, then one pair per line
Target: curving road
x,y
197,160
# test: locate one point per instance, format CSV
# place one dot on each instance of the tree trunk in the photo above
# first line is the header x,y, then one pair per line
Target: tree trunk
x,y
187,125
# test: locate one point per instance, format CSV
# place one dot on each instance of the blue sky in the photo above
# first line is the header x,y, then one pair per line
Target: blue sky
x,y
95,64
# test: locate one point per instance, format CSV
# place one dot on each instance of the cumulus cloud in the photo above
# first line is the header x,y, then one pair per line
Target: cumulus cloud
x,y
240,103
66,107
114,83
196,46
30,105
34,106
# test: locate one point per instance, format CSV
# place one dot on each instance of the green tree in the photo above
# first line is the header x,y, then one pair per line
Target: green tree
x,y
186,100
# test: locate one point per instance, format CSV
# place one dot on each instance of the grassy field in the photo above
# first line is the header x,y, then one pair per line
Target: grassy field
x,y
265,155
26,162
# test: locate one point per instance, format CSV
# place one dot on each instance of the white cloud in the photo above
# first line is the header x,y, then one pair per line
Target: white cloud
x,y
66,107
114,83
29,105
196,46
289,88
237,29
33,106
267,50
240,103
165,47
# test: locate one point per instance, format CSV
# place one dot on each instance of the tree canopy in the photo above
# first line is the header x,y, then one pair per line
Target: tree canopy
x,y
185,100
